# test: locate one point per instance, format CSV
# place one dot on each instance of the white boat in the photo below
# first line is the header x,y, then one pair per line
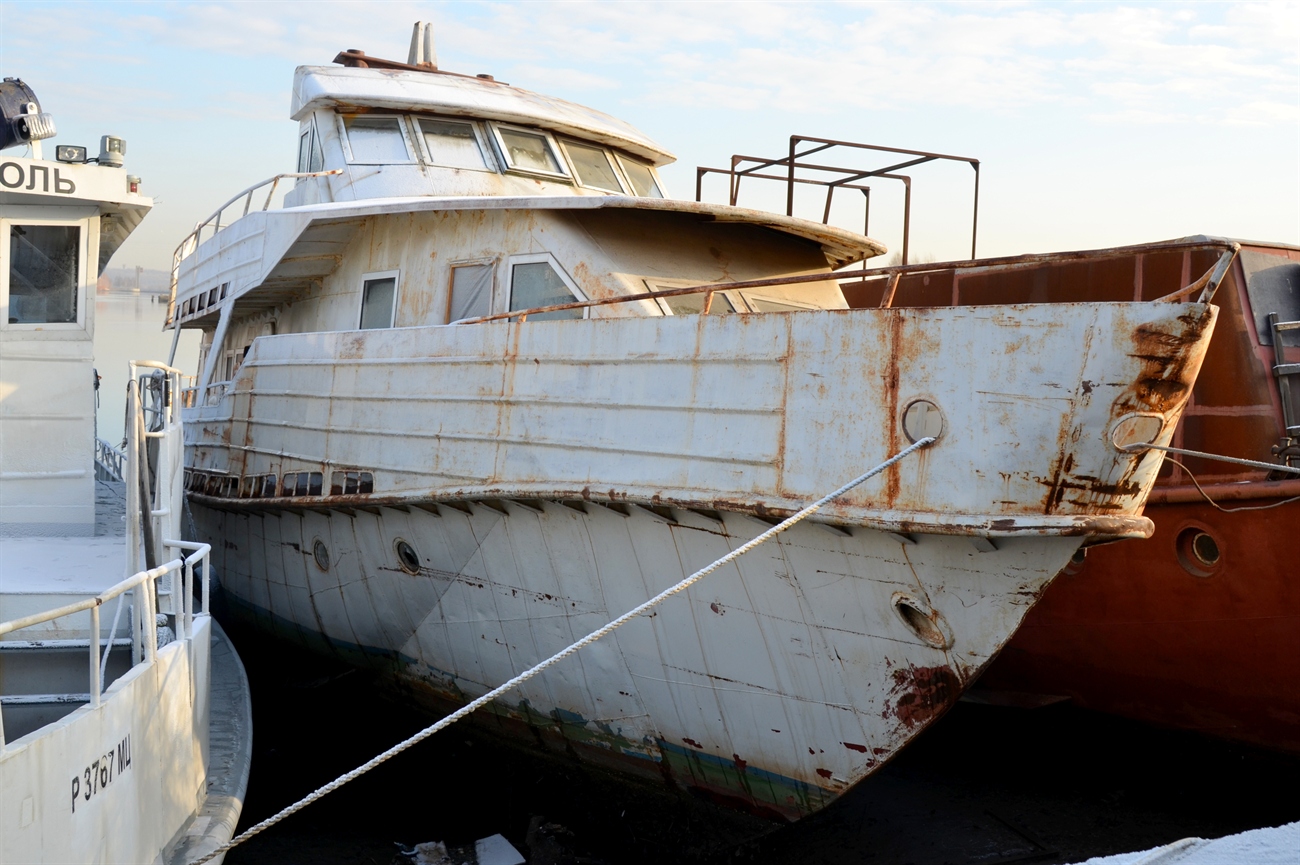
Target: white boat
x,y
125,723
450,503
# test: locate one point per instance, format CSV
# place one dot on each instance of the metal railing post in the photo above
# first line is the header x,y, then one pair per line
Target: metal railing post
x,y
151,628
133,510
95,686
207,570
189,599
789,189
907,215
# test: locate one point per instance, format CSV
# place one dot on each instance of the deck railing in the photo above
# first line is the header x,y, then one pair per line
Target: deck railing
x,y
214,223
795,169
108,461
1207,284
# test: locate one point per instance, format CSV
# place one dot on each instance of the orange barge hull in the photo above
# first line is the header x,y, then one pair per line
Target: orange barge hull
x,y
1199,626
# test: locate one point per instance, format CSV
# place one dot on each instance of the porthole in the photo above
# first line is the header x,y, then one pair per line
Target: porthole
x,y
929,627
407,557
1198,551
1075,565
922,419
321,554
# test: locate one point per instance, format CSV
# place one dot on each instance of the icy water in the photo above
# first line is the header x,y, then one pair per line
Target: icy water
x,y
129,327
984,785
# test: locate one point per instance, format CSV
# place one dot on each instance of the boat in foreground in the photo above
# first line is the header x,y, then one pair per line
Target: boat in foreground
x,y
478,388
125,723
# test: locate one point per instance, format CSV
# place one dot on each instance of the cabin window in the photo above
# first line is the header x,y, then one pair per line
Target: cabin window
x,y
44,271
593,167
301,484
304,149
471,291
351,483
537,283
310,157
378,300
529,151
642,177
767,304
376,140
452,143
693,304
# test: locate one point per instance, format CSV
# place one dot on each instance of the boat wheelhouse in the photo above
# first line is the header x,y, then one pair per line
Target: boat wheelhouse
x,y
124,712
479,387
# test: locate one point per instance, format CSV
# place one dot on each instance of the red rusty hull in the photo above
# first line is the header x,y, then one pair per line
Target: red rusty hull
x,y
1132,632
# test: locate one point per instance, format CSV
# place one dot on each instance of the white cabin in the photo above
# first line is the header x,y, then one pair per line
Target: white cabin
x,y
61,222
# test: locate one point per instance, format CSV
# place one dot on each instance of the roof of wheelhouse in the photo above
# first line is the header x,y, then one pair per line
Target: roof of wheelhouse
x,y
392,86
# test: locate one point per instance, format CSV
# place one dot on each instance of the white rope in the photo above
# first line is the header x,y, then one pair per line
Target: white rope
x,y
557,657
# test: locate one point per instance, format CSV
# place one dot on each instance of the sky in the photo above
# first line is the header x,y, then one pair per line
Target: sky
x,y
1096,124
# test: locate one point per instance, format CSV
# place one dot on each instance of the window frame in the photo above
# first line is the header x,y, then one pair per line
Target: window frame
x,y
504,152
426,156
375,276
739,303
503,304
305,137
795,305
84,287
654,173
620,177
451,283
402,125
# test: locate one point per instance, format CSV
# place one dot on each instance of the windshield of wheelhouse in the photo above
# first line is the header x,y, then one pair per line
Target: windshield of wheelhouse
x,y
43,270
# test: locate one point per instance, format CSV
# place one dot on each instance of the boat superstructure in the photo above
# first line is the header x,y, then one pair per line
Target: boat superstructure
x,y
479,387
111,749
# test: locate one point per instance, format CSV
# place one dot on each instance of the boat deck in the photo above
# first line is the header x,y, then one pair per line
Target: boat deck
x,y
40,573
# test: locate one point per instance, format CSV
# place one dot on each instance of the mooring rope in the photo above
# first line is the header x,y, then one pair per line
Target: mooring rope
x,y
557,657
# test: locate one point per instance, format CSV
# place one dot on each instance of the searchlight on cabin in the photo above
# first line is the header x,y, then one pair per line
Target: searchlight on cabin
x,y
21,118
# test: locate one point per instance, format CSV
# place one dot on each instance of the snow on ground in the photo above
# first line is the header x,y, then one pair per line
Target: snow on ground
x,y
1277,846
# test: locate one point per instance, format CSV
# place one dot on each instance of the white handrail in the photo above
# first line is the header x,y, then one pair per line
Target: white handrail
x,y
191,242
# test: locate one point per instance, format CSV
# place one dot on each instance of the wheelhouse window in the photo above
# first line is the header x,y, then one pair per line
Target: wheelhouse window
x,y
471,291
376,140
641,176
537,283
44,273
378,300
593,167
529,151
452,143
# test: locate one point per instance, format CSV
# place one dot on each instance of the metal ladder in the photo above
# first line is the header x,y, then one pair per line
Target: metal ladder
x,y
1288,450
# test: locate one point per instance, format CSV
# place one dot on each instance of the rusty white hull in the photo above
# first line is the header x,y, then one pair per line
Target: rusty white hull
x,y
551,475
